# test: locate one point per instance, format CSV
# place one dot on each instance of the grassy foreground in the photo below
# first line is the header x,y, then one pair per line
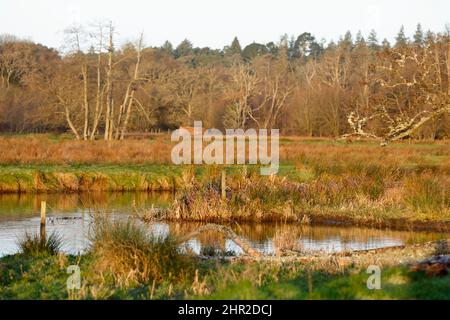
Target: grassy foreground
x,y
124,262
44,277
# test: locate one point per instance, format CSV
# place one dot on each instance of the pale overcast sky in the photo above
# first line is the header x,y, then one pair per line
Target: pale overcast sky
x,y
214,23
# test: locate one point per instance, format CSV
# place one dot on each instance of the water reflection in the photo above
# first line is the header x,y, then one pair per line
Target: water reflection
x,y
18,206
268,237
70,216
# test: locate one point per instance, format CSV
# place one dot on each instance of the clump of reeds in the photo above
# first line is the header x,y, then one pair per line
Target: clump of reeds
x,y
35,245
129,254
264,199
368,195
251,200
199,203
427,193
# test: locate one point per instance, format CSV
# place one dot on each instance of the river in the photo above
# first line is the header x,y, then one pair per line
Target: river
x,y
71,216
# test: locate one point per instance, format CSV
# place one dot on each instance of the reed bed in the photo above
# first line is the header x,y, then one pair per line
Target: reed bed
x,y
359,199
318,179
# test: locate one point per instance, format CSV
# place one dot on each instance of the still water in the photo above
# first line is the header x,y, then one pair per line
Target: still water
x,y
70,215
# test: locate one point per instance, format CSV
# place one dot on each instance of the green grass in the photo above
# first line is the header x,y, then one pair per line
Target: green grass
x,y
44,277
104,177
397,283
27,277
74,178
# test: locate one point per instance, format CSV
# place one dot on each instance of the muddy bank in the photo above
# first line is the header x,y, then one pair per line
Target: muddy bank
x,y
385,257
393,224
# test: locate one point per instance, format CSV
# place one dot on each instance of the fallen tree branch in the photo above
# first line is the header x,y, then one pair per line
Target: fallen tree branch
x,y
398,132
359,135
405,130
230,234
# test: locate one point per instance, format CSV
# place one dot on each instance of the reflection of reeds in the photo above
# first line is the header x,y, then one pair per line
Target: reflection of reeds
x,y
284,240
287,235
23,205
266,231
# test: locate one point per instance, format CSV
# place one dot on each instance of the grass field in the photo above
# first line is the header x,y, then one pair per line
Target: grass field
x,y
404,185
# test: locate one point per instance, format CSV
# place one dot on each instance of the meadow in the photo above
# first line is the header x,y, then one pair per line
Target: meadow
x,y
404,185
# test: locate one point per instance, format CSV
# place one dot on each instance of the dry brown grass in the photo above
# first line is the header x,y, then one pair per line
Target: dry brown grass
x,y
125,251
317,153
42,150
254,199
419,200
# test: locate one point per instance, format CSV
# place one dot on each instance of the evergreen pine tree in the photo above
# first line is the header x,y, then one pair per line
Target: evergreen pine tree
x,y
418,36
360,41
401,39
385,44
373,40
235,47
185,48
167,47
347,41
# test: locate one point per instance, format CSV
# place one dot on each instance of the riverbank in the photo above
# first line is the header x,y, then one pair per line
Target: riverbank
x,y
89,178
417,202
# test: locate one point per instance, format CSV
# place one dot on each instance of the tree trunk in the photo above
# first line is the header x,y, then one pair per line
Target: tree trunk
x,y
70,123
84,71
98,102
109,85
133,89
448,67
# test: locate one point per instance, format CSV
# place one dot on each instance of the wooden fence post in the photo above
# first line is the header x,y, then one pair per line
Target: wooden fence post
x,y
43,220
223,186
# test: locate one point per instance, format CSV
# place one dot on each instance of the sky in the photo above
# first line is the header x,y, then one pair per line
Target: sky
x,y
215,23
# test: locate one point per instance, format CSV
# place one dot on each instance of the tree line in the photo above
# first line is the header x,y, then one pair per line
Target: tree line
x,y
356,86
